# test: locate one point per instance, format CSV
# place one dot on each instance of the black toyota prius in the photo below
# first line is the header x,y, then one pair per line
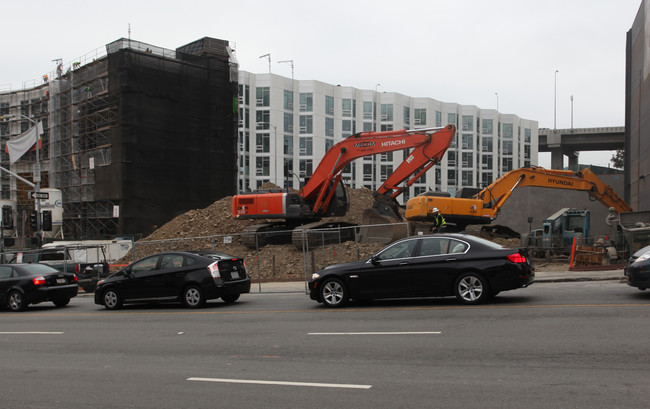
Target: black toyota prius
x,y
438,265
189,277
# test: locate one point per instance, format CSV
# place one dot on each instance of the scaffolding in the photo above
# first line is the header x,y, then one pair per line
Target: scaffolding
x,y
83,115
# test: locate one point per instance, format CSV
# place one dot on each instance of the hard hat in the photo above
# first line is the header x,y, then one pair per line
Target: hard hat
x,y
435,210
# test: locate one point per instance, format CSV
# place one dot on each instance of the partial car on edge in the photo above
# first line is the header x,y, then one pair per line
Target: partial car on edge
x,y
437,265
189,277
24,284
637,269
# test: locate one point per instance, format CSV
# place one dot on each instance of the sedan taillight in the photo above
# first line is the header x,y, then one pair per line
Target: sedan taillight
x,y
516,258
214,270
40,280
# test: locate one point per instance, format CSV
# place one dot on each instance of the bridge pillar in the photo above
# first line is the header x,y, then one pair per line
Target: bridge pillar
x,y
573,160
557,158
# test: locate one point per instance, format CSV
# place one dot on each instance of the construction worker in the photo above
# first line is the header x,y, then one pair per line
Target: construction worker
x,y
439,222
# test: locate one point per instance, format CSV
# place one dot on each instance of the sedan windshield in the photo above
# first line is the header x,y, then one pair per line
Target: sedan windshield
x,y
38,269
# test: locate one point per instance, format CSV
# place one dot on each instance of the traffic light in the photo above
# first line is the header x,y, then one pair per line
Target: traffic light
x,y
33,220
47,220
7,217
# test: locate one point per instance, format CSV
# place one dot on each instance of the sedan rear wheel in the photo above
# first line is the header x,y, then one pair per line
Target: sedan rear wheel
x,y
231,298
16,301
471,288
112,299
334,293
193,297
61,302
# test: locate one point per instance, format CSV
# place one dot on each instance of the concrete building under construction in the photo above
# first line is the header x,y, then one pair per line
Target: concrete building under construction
x,y
132,137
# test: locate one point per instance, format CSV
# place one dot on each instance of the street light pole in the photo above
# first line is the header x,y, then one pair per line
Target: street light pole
x,y
555,102
36,178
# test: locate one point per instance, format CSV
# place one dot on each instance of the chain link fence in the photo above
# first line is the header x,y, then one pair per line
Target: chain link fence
x,y
283,262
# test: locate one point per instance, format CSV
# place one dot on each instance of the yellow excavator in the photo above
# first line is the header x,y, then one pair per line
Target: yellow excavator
x,y
484,206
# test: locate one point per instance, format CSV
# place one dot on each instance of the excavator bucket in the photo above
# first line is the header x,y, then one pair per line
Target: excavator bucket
x,y
383,223
378,227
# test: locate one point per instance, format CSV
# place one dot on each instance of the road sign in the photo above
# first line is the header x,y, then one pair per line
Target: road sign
x,y
39,195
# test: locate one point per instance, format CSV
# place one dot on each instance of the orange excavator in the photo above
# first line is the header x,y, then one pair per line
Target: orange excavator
x,y
484,206
323,195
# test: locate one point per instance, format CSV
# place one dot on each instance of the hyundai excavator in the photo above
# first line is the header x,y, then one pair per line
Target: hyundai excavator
x,y
484,206
323,195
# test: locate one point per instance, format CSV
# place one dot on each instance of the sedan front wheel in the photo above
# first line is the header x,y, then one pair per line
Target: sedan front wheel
x,y
112,299
334,293
471,288
193,297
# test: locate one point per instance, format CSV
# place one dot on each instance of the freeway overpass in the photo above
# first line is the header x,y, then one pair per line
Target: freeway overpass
x,y
569,142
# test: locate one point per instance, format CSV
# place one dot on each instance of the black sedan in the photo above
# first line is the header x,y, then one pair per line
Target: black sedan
x,y
637,269
437,265
24,284
189,277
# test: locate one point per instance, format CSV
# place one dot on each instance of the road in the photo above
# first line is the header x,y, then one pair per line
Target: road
x,y
573,345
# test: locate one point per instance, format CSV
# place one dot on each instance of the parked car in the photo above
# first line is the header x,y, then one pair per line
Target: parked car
x,y
637,269
24,284
189,277
471,268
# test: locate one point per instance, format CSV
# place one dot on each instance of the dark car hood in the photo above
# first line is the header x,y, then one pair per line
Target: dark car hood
x,y
342,266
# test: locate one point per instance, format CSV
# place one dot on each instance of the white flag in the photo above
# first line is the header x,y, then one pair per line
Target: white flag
x,y
19,145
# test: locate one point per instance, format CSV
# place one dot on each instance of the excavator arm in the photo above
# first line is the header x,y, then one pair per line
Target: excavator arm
x,y
319,196
485,206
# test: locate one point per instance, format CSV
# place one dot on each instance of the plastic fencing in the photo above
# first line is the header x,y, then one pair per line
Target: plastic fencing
x,y
283,263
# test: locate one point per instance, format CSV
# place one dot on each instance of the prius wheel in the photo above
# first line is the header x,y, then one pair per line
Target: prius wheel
x,y
334,293
193,297
16,301
471,288
112,299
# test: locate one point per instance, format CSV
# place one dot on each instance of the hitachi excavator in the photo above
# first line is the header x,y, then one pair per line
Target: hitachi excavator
x,y
484,206
323,195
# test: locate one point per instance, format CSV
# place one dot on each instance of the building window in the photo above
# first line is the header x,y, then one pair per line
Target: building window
x,y
305,168
486,144
451,119
347,127
506,165
288,100
263,166
486,162
507,131
386,157
329,126
488,126
387,127
467,141
306,102
263,96
486,179
367,172
329,105
288,145
386,171
329,142
263,143
451,178
527,135
306,146
438,118
262,119
507,147
468,159
346,106
386,112
468,123
451,159
407,116
526,151
367,110
288,172
368,126
468,178
306,124
420,116
288,122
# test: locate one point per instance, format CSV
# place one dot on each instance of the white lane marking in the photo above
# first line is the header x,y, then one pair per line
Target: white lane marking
x,y
284,383
377,333
31,332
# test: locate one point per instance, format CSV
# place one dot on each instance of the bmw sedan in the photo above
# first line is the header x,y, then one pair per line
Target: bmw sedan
x,y
188,277
637,270
438,265
24,284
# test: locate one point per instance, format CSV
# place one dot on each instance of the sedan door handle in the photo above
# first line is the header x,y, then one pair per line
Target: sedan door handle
x,y
403,263
451,259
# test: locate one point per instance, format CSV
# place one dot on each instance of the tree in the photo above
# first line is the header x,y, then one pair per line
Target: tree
x,y
618,159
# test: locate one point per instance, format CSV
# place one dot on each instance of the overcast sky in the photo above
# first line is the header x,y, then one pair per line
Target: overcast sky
x,y
472,52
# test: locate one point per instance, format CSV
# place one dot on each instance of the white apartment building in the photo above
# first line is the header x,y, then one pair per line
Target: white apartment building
x,y
286,126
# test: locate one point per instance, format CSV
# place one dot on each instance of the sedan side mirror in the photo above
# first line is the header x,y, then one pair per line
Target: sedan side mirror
x,y
375,260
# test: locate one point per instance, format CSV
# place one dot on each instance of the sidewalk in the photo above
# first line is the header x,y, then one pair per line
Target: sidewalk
x,y
588,275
